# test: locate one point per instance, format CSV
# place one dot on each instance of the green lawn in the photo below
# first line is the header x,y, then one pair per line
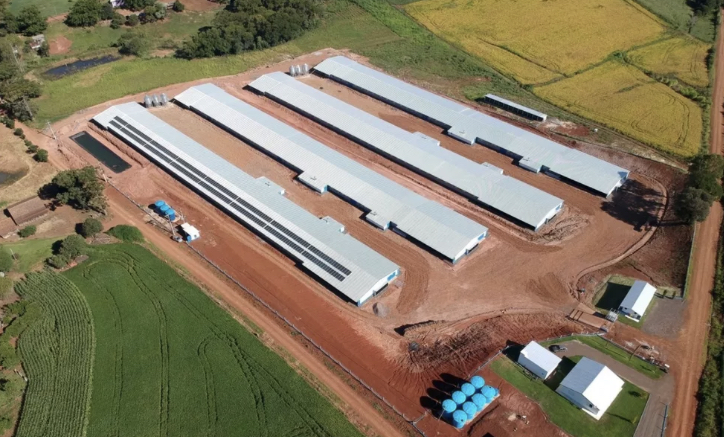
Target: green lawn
x,y
169,361
48,8
31,252
619,421
615,352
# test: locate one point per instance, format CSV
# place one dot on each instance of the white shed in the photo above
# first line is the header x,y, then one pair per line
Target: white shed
x,y
591,386
637,300
191,232
538,360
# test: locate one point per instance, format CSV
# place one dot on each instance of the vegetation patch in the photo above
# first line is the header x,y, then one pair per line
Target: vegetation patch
x,y
682,57
625,99
562,36
620,419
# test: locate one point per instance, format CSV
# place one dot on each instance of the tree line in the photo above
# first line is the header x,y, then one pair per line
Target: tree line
x,y
703,188
252,25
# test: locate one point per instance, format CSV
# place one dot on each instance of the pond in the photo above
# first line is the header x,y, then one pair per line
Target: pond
x,y
101,152
80,65
8,178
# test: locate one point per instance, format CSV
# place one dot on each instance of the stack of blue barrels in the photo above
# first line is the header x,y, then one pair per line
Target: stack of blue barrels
x,y
165,210
466,403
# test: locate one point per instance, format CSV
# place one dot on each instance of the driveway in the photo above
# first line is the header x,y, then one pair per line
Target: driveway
x,y
661,391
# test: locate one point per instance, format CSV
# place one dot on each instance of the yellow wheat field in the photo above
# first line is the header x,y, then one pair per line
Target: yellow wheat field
x,y
627,100
563,36
683,57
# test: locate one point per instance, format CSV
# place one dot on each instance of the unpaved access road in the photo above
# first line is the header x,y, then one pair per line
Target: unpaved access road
x,y
691,343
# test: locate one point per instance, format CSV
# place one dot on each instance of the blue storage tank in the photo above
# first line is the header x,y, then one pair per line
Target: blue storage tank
x,y
459,397
489,392
478,382
467,389
448,407
470,410
459,418
480,401
159,203
163,208
171,214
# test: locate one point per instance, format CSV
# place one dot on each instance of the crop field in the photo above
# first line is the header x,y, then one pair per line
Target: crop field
x,y
168,361
682,57
625,99
562,36
57,351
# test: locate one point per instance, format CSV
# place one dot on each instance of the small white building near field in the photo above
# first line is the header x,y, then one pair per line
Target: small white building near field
x,y
591,386
538,360
637,300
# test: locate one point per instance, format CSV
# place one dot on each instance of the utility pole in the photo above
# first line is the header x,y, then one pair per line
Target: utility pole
x,y
52,132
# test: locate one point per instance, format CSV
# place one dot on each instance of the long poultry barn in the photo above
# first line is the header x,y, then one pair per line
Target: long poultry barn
x,y
532,151
386,203
318,245
484,183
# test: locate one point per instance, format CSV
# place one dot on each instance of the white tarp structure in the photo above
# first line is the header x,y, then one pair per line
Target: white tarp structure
x,y
637,300
538,360
534,152
338,259
482,183
591,386
322,168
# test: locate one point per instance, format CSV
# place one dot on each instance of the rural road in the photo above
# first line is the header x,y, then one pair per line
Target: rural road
x,y
661,391
691,342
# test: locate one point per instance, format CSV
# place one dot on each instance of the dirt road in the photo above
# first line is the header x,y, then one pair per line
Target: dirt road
x,y
692,338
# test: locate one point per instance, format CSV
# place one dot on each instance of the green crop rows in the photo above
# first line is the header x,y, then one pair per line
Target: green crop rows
x,y
169,362
57,352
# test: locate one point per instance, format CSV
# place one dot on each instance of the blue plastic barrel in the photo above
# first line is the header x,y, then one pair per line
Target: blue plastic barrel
x,y
470,410
478,382
467,389
459,418
489,392
159,203
459,397
480,401
448,407
163,208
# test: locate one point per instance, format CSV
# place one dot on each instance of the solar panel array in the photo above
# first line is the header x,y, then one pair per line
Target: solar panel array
x,y
340,260
483,183
436,226
536,153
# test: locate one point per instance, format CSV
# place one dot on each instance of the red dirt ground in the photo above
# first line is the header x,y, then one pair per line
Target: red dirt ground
x,y
518,286
200,5
60,45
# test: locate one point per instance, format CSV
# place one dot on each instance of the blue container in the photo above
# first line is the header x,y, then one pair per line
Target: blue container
x,y
159,203
467,389
163,208
448,407
459,397
470,410
489,392
170,212
480,401
478,382
459,418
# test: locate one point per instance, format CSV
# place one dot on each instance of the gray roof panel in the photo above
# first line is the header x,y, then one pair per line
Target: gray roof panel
x,y
479,181
337,258
537,151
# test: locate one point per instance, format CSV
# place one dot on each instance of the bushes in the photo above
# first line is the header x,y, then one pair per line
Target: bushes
x,y
132,20
68,249
6,260
27,231
126,233
133,43
703,187
178,6
57,261
84,13
80,189
19,133
90,227
41,155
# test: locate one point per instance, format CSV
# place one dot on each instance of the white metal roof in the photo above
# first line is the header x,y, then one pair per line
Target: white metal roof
x,y
339,259
541,356
481,182
470,125
639,297
516,106
432,224
595,382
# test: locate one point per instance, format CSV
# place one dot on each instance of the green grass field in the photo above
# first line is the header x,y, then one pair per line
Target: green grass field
x,y
620,419
615,352
168,361
57,353
48,8
30,252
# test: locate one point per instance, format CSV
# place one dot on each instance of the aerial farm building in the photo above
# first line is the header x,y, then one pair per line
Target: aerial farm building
x,y
538,360
484,184
532,151
318,245
637,300
591,386
515,108
387,203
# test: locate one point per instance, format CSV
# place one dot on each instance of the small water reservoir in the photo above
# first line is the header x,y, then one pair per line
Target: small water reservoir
x,y
101,152
80,65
